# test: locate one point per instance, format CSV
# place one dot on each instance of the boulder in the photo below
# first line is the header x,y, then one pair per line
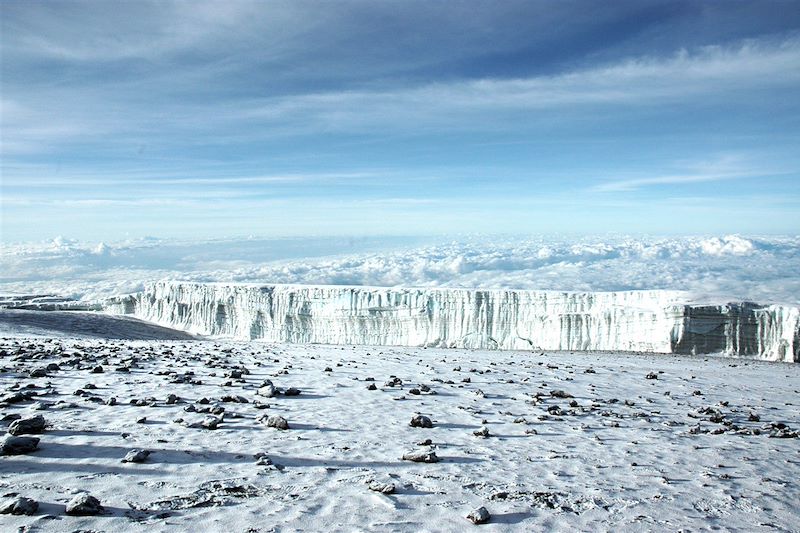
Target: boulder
x,y
84,504
479,516
421,421
11,445
19,506
27,426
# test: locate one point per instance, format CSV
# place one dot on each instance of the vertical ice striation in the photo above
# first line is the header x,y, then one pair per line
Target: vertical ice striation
x,y
650,321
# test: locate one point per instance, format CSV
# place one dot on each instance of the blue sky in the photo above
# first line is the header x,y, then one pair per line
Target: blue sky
x,y
213,119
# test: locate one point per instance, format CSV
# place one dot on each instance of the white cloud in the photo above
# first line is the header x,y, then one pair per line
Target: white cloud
x,y
730,267
94,111
146,30
728,245
676,179
722,168
716,71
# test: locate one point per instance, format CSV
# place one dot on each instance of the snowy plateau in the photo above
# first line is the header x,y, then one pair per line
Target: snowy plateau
x,y
210,435
238,405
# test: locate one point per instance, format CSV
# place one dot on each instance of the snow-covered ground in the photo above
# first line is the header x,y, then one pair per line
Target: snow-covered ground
x,y
84,324
576,441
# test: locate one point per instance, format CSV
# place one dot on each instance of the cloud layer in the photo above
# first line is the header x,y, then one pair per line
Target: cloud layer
x,y
721,268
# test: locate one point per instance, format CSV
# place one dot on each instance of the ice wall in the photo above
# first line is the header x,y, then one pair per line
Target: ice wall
x,y
649,321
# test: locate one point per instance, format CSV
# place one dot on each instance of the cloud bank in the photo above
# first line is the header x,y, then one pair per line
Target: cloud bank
x,y
718,268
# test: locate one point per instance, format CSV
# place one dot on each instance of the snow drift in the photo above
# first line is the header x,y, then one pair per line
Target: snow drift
x,y
648,321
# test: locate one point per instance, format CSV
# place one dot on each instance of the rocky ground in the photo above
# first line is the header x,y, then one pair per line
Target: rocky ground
x,y
126,435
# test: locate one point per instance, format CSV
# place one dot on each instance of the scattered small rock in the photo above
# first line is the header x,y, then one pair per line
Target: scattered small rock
x,y
483,432
210,422
267,389
421,456
262,459
421,421
136,456
19,506
11,445
394,382
84,504
479,516
27,426
383,488
277,422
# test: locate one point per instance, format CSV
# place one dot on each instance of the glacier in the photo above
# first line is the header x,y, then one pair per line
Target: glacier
x,y
657,321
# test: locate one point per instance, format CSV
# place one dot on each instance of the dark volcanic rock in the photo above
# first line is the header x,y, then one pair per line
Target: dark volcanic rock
x,y
394,381
84,504
267,389
421,456
479,516
421,421
277,422
383,488
11,445
27,426
39,373
210,422
19,505
10,418
136,456
483,432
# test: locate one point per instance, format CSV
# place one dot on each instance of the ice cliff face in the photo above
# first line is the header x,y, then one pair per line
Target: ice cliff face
x,y
649,321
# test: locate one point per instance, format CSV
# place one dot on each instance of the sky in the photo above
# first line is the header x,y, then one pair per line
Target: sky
x,y
125,119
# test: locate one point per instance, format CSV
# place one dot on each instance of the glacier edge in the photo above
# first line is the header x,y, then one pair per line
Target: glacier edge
x,y
657,321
